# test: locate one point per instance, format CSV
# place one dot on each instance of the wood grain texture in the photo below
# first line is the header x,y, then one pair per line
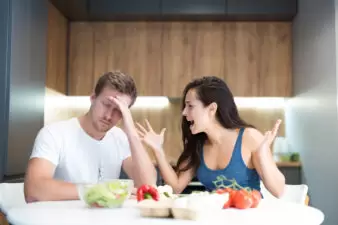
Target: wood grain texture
x,y
80,60
254,58
276,59
57,34
191,50
131,47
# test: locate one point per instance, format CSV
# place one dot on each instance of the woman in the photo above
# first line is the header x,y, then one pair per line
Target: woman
x,y
218,145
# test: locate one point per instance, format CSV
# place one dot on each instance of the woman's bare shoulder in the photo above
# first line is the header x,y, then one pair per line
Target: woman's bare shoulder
x,y
253,138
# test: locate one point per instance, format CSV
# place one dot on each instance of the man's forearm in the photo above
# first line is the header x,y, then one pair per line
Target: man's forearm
x,y
143,169
50,190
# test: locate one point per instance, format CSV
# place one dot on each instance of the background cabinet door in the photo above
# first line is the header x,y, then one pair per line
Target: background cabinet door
x,y
98,8
271,8
205,7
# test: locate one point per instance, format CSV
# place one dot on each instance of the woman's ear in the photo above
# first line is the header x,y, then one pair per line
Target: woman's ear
x,y
213,108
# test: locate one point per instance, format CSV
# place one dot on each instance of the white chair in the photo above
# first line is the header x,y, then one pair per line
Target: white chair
x,y
296,193
11,195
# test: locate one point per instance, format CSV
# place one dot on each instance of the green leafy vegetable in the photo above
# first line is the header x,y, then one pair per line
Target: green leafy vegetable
x,y
107,195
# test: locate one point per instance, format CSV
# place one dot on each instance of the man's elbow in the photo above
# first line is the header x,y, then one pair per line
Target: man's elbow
x,y
32,192
29,194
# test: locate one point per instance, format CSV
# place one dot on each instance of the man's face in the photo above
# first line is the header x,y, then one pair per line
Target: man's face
x,y
104,112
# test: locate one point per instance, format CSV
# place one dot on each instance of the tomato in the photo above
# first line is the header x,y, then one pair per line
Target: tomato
x,y
220,191
256,198
242,199
231,192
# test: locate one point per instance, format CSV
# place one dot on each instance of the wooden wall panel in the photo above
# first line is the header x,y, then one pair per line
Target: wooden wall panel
x,y
259,59
132,47
135,48
57,35
275,59
242,72
191,50
81,57
253,57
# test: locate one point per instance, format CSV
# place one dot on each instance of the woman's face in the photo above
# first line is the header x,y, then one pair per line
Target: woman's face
x,y
196,113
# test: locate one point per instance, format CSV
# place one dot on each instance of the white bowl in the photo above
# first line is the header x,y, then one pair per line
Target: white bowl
x,y
107,194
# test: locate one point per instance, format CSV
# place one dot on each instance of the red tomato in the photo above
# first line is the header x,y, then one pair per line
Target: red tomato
x,y
242,199
232,193
220,191
256,198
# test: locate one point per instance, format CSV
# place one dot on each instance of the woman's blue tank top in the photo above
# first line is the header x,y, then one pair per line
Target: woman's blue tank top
x,y
236,169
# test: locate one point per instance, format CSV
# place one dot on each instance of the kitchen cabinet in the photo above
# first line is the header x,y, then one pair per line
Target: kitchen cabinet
x,y
254,58
191,50
132,47
155,10
262,8
57,33
191,7
293,174
99,9
258,59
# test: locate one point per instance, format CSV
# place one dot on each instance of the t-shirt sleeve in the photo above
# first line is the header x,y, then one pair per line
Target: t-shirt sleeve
x,y
45,146
125,147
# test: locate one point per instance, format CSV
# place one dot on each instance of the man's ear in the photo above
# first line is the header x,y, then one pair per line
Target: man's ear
x,y
92,97
213,108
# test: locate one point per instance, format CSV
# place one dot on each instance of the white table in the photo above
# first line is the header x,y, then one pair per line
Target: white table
x,y
76,213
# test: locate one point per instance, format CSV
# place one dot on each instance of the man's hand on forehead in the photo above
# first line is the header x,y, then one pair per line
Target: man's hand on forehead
x,y
117,99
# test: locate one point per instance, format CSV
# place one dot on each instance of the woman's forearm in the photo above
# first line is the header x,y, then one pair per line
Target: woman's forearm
x,y
169,175
167,172
272,178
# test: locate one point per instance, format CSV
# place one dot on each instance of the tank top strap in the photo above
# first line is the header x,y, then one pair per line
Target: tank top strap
x,y
237,153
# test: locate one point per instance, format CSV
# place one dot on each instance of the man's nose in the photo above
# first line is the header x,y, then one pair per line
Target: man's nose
x,y
108,115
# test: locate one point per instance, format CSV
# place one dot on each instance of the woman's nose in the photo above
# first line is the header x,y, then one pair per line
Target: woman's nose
x,y
184,112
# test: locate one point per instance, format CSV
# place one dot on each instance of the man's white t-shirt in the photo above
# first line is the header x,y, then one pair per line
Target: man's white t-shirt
x,y
78,157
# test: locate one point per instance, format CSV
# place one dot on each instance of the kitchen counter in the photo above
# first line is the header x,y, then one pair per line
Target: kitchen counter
x,y
289,164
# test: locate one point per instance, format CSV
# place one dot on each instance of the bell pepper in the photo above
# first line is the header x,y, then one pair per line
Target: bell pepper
x,y
147,192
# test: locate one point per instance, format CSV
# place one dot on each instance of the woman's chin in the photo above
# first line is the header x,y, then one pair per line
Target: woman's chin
x,y
194,131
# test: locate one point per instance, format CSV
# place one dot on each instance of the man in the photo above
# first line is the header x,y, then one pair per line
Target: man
x,y
90,148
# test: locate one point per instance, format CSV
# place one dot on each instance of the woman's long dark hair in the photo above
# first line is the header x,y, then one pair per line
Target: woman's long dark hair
x,y
208,90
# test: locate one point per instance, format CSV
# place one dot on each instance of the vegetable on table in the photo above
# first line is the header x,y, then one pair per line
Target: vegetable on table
x,y
240,197
106,195
147,192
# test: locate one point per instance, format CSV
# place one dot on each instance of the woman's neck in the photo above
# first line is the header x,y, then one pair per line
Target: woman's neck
x,y
217,134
